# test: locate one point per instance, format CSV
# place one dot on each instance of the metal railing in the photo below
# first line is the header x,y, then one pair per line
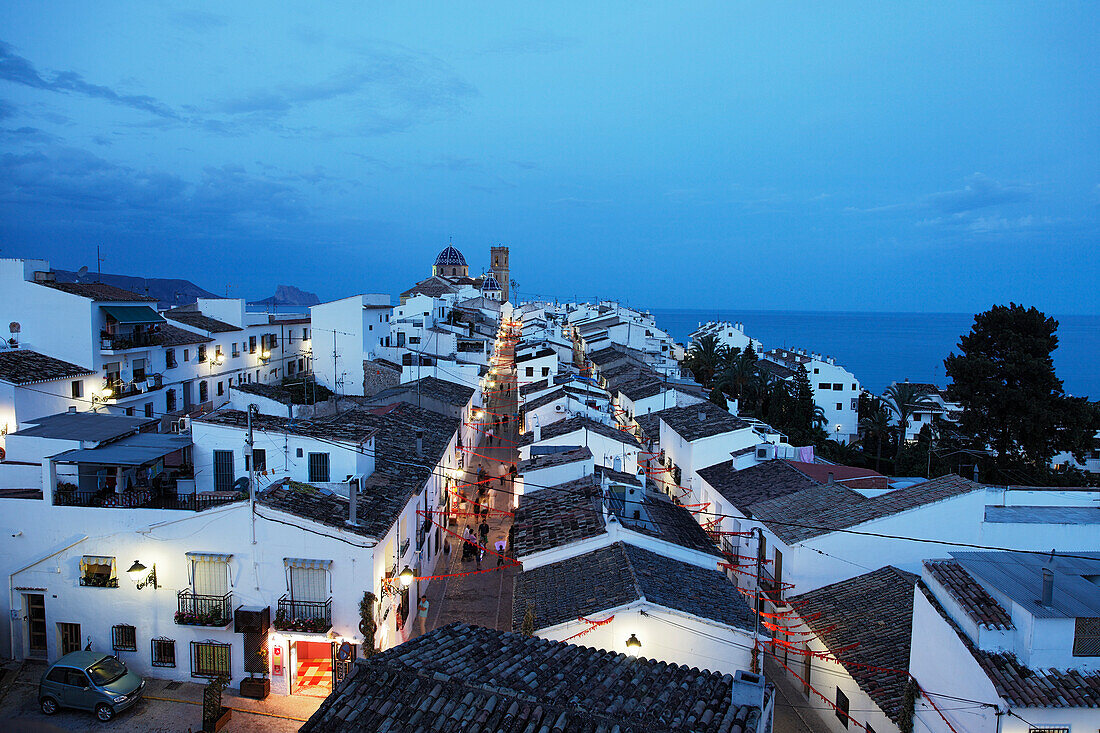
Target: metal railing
x,y
203,610
143,498
134,340
308,616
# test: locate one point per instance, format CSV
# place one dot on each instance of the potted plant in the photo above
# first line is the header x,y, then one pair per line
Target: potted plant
x,y
257,688
214,715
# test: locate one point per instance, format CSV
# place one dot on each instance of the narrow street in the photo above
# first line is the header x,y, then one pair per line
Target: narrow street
x,y
484,599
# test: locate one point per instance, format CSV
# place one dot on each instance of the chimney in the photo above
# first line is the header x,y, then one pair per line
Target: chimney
x,y
353,502
537,430
72,409
419,442
1048,587
702,415
830,477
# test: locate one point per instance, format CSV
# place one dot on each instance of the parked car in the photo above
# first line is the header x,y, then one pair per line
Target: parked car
x,y
89,681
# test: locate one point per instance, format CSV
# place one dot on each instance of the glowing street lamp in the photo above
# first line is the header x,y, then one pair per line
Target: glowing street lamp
x,y
142,576
407,576
633,642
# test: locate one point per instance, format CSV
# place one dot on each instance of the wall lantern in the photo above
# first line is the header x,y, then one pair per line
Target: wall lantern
x,y
142,576
407,576
99,396
633,643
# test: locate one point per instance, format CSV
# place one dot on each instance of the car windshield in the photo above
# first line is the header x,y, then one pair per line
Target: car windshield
x,y
106,671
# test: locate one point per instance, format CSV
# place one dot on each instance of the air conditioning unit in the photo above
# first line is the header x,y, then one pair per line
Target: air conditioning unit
x,y
559,408
183,424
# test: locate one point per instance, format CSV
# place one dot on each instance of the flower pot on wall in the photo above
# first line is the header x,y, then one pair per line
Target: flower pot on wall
x,y
257,688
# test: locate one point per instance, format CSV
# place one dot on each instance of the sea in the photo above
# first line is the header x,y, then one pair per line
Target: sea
x,y
880,348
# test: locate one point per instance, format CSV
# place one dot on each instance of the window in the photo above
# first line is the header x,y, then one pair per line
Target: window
x,y
414,339
823,385
217,353
318,467
163,652
210,659
546,371
916,417
1086,637
70,640
78,389
305,334
259,460
530,371
842,707
236,351
308,583
139,370
170,400
298,453
112,373
223,470
839,406
204,391
251,344
129,412
148,409
221,388
186,355
202,353
855,405
169,358
124,638
209,575
98,572
854,386
816,370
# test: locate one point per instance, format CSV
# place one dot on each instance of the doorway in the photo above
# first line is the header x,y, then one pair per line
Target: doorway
x,y
312,668
35,603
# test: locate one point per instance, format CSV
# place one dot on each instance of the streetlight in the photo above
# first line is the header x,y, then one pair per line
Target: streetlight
x,y
407,576
633,642
142,576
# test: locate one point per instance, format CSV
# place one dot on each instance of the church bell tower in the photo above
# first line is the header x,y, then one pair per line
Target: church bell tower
x,y
498,263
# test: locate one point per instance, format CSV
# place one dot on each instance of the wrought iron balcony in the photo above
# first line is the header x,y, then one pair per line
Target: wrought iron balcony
x,y
129,340
308,616
144,498
201,610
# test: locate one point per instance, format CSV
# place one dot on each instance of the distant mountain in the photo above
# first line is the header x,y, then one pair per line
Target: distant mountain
x,y
289,295
169,292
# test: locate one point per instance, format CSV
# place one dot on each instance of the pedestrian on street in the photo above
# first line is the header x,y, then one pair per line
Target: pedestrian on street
x,y
468,546
422,614
483,530
500,547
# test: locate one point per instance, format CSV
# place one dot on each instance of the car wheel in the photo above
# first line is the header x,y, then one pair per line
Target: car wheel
x,y
48,705
104,712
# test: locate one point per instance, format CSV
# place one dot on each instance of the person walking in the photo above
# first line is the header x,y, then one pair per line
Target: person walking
x,y
468,547
422,614
500,547
483,530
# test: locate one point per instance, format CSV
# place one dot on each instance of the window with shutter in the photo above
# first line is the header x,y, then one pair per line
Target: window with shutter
x,y
1086,637
318,467
308,584
223,470
210,577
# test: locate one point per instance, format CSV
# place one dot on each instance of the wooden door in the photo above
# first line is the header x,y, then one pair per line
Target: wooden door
x,y
36,623
70,637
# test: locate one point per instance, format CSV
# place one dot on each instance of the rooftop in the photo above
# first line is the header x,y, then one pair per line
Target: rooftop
x,y
1042,514
195,319
299,393
176,336
446,392
22,366
1019,577
99,292
85,426
573,511
981,607
351,427
768,480
575,424
850,476
309,502
828,507
549,460
462,678
560,393
619,574
875,612
686,422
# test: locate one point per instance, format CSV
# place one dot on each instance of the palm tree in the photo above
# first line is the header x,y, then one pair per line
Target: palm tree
x,y
903,398
704,357
876,423
735,373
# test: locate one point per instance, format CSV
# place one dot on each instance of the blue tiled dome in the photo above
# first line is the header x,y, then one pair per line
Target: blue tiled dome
x,y
490,282
450,257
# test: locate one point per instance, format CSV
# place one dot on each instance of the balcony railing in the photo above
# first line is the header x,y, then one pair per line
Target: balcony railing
x,y
309,616
145,498
200,610
133,340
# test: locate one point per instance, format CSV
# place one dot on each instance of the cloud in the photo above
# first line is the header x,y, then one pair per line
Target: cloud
x,y
26,135
979,192
18,70
7,109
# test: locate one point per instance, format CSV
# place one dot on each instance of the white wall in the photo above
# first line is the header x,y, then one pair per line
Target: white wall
x,y
604,449
532,481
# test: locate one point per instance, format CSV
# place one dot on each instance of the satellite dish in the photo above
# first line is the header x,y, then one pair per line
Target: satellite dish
x,y
81,273
14,327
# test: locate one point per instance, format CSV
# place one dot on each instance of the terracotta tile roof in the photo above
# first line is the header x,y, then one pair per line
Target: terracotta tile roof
x,y
685,422
828,507
195,319
768,480
563,392
850,476
574,424
548,460
462,679
573,511
22,366
1022,686
449,393
175,336
875,612
99,292
526,389
618,574
309,502
982,608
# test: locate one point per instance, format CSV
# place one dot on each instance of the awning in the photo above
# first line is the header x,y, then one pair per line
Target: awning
x,y
95,560
301,562
134,450
132,314
208,557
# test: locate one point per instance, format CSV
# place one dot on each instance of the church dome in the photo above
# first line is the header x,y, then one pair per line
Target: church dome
x,y
450,257
490,283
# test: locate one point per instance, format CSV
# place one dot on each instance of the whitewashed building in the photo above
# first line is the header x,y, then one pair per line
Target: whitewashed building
x,y
836,390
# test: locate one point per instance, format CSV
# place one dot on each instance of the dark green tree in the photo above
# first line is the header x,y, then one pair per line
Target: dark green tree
x,y
704,358
1012,401
874,426
718,398
903,398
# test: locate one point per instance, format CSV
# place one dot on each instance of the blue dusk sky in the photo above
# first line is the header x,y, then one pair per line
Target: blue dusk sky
x,y
767,155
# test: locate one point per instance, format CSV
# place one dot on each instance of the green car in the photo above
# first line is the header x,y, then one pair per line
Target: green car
x,y
89,681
